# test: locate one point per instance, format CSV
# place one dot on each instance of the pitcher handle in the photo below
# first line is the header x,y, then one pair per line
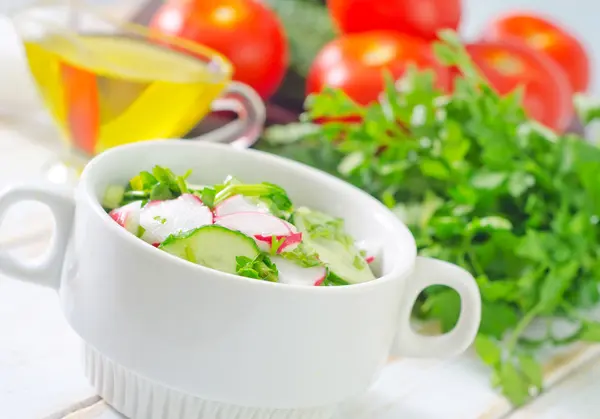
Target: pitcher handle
x,y
250,109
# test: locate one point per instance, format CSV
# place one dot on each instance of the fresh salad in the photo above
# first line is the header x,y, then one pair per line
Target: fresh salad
x,y
251,230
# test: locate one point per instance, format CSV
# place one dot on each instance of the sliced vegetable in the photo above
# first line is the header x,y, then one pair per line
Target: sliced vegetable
x,y
160,219
113,197
238,203
274,196
128,216
279,244
295,274
262,227
213,246
327,237
236,228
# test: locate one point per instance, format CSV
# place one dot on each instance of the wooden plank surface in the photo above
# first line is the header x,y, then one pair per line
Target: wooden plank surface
x,y
577,397
40,370
459,389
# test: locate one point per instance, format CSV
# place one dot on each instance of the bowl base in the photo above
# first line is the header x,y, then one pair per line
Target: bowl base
x,y
140,398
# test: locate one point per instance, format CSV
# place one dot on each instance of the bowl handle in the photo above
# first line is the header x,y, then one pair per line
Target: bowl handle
x,y
429,272
60,201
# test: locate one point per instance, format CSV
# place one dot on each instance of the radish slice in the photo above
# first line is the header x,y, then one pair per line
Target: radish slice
x,y
128,216
292,273
289,242
261,227
160,219
238,203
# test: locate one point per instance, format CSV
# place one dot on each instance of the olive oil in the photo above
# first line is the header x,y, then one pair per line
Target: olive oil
x,y
105,91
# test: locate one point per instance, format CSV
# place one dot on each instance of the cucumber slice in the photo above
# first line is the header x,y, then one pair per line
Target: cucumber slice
x,y
212,246
113,197
336,249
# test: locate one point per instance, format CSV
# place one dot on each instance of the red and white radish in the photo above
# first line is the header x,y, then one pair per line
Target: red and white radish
x,y
292,273
160,219
238,203
285,242
263,228
128,216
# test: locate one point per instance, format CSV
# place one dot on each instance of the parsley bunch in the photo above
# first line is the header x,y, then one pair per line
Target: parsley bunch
x,y
482,186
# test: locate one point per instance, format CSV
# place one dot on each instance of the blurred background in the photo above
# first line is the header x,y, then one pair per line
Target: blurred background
x,y
308,26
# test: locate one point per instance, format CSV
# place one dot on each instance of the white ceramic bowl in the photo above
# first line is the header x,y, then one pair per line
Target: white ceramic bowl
x,y
165,338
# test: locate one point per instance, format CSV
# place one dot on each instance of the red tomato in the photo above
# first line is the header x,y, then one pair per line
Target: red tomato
x,y
549,38
547,91
422,18
355,63
245,31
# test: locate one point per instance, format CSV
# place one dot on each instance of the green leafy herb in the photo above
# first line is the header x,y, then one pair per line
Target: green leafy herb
x,y
332,280
482,186
359,262
302,256
161,184
260,267
141,231
276,244
587,107
207,195
160,219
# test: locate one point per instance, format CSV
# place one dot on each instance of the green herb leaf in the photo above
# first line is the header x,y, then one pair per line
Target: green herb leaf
x,y
514,385
161,184
532,370
590,332
332,280
160,219
588,107
488,350
302,256
207,196
276,244
161,192
260,267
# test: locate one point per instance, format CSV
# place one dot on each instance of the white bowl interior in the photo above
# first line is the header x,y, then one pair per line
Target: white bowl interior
x,y
366,218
